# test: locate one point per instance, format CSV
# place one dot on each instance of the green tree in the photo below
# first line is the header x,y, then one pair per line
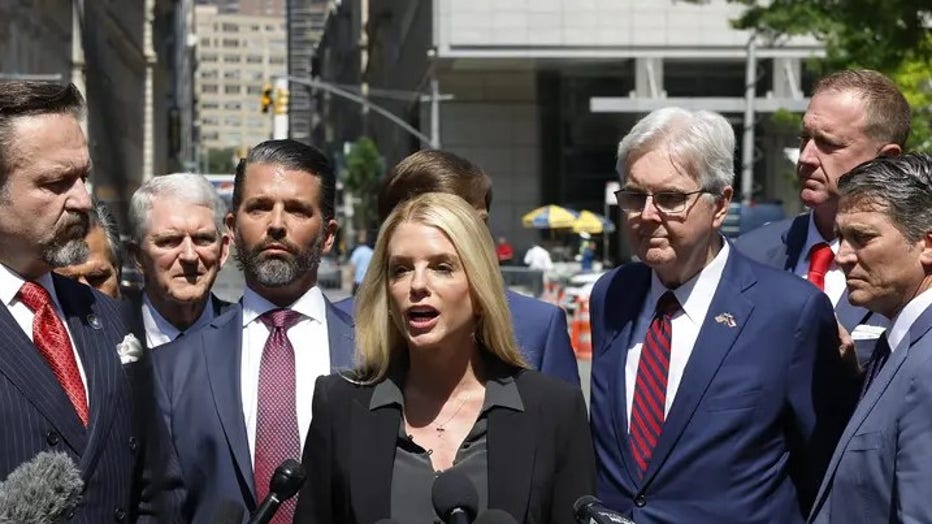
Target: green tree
x,y
364,166
891,36
221,160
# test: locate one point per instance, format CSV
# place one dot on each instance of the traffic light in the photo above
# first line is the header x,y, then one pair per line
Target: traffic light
x,y
265,101
281,101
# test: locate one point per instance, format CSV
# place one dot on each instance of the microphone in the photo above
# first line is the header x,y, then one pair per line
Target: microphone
x,y
495,516
454,497
285,482
43,489
229,512
590,510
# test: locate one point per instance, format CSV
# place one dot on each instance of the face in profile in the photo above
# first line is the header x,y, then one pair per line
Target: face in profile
x,y
833,141
45,205
181,253
882,267
674,228
279,229
98,271
428,287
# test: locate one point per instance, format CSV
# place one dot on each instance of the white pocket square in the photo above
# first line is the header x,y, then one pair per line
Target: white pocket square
x,y
130,350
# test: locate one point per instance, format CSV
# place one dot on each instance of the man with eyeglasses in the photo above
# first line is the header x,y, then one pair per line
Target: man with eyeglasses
x,y
853,116
712,400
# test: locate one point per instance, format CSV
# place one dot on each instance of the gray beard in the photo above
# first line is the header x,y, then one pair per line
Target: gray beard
x,y
277,272
69,246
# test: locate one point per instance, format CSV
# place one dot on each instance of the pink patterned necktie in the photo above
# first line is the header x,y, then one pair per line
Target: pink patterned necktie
x,y
277,436
650,386
50,337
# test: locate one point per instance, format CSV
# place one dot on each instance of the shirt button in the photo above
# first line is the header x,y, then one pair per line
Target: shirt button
x,y
640,501
133,444
53,438
119,514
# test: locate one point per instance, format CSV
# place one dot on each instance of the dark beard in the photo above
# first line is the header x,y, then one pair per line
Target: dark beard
x,y
68,246
276,271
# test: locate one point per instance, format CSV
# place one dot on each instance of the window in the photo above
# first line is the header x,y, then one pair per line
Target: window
x,y
205,42
232,121
210,121
254,90
230,42
209,88
209,135
208,58
277,60
231,59
231,89
209,74
233,106
210,105
231,75
254,59
230,28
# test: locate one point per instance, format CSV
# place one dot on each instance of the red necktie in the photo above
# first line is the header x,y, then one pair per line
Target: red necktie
x,y
820,258
50,337
650,388
277,436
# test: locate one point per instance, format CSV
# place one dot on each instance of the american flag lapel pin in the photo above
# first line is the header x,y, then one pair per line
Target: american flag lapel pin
x,y
726,318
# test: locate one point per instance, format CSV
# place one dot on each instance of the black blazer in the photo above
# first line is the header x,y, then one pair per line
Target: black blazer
x,y
539,460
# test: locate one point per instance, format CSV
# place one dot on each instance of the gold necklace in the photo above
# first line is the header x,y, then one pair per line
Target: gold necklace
x,y
439,428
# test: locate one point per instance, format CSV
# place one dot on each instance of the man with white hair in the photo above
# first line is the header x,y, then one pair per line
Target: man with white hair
x,y
718,391
180,244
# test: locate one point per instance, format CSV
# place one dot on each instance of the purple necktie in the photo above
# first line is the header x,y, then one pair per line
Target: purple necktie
x,y
277,437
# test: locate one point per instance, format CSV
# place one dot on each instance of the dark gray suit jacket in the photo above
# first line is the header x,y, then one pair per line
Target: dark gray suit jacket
x,y
37,416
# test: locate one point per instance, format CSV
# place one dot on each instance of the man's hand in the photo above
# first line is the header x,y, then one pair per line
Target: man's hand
x,y
846,348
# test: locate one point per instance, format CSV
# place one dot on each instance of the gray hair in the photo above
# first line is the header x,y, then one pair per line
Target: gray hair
x,y
102,217
901,186
700,142
190,188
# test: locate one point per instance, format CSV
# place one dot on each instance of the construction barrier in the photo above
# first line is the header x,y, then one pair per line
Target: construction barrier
x,y
580,332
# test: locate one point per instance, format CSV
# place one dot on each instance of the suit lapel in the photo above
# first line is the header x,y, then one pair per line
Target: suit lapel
x,y
222,344
374,434
713,344
101,366
876,390
511,441
618,342
22,364
340,334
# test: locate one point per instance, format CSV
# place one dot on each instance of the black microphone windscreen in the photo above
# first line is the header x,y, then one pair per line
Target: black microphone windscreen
x,y
583,501
43,489
228,512
452,490
287,479
495,516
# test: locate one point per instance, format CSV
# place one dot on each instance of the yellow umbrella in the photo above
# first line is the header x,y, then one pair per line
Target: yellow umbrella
x,y
550,217
592,223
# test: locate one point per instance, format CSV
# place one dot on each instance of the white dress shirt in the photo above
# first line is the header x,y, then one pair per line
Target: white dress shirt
x,y
10,284
695,297
898,334
835,282
160,331
309,338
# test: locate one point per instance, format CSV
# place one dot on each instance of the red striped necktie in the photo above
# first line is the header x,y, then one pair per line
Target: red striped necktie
x,y
650,388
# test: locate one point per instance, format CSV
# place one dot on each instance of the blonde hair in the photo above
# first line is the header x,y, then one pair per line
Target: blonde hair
x,y
378,337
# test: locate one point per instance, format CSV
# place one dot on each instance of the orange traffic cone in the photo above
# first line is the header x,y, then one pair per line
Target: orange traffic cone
x,y
580,334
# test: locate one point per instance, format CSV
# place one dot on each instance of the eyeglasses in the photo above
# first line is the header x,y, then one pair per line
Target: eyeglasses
x,y
669,202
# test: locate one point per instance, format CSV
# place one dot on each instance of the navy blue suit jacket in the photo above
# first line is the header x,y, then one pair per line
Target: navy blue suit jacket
x,y
780,245
761,403
197,381
882,468
541,332
37,416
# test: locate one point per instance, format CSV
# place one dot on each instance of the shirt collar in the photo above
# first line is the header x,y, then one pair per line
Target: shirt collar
x,y
11,283
898,333
154,321
813,237
694,295
501,391
310,304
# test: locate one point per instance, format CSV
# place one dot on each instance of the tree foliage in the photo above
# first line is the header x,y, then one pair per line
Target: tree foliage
x,y
876,34
891,36
364,166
